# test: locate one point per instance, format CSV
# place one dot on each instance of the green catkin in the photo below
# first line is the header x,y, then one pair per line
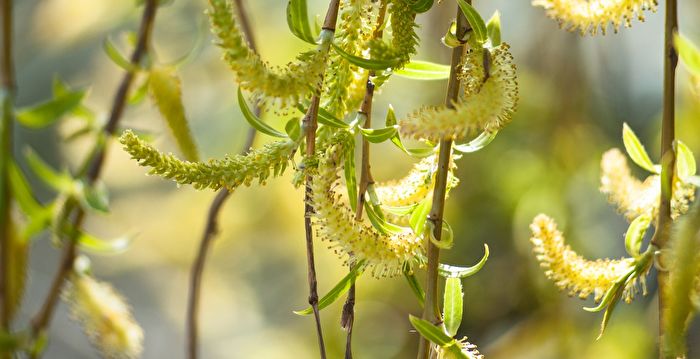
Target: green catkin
x,y
385,255
404,41
288,84
231,172
488,102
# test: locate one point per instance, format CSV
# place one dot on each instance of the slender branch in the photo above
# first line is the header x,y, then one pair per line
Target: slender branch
x,y
211,227
42,319
7,94
663,227
431,310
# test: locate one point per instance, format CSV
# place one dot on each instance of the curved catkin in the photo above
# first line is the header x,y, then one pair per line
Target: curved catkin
x,y
571,272
385,255
288,84
487,105
588,16
404,41
105,317
231,172
634,197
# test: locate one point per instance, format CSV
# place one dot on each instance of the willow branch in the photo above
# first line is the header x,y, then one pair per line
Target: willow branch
x,y
663,227
431,310
211,226
42,319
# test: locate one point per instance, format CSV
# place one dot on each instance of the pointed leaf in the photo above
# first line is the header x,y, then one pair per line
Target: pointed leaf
x,y
415,286
493,27
685,162
475,20
116,56
635,234
324,117
293,129
431,332
689,53
400,210
449,271
478,143
298,20
338,290
61,182
96,245
254,121
369,64
380,224
453,305
420,6
420,215
21,190
424,70
48,112
379,135
636,150
351,176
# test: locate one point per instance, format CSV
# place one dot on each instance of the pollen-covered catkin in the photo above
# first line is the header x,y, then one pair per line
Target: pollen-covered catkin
x,y
231,172
288,84
105,317
415,186
571,272
488,103
588,16
385,255
404,41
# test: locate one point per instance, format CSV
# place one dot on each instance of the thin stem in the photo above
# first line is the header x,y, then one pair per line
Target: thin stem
x,y
42,319
7,94
211,227
663,232
431,310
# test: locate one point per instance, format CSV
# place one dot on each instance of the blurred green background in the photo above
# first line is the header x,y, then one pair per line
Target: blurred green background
x,y
575,94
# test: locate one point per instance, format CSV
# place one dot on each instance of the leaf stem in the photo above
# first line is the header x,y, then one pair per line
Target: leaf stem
x,y
94,167
431,311
211,227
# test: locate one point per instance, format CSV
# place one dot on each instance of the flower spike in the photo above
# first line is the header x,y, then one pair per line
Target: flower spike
x,y
587,16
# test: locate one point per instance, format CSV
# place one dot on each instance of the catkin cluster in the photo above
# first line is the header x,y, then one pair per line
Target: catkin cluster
x,y
231,172
589,16
488,103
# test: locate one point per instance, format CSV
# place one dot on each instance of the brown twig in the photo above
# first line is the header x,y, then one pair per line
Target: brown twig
x,y
431,310
42,319
663,226
211,227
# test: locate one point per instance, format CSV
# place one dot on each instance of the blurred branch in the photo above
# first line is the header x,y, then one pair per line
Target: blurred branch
x,y
211,227
431,312
94,167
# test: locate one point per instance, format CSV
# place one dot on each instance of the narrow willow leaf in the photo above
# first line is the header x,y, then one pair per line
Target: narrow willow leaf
x,y
612,295
38,222
478,143
351,176
293,129
420,215
324,117
139,94
635,234
452,305
415,286
688,52
337,291
116,56
608,313
298,20
165,89
450,39
493,27
48,112
449,271
431,332
254,121
61,182
420,6
379,135
685,162
390,119
21,190
475,20
369,64
446,238
424,70
400,210
636,150
94,196
17,260
380,223
96,245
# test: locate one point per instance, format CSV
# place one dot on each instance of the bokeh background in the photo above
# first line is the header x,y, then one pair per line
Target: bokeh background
x,y
575,94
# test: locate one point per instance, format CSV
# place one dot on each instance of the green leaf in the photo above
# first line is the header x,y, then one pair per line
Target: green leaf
x,y
400,210
298,20
116,56
475,20
338,290
93,197
685,162
431,332
420,6
351,175
450,39
446,236
424,70
324,117
608,313
635,234
254,121
612,295
449,271
453,305
636,150
96,245
415,286
396,139
493,27
21,190
478,143
420,215
139,94
61,182
379,223
390,119
165,89
48,112
688,52
293,129
369,64
379,135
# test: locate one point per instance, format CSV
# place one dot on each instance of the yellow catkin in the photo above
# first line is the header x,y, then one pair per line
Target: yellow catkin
x,y
385,255
571,272
589,16
105,317
634,197
488,103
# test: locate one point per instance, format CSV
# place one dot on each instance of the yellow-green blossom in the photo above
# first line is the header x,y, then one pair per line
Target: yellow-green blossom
x,y
588,16
404,39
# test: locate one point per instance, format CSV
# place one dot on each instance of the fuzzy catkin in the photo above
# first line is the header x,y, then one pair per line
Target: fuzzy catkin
x,y
488,103
231,172
289,84
404,41
385,255
589,16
